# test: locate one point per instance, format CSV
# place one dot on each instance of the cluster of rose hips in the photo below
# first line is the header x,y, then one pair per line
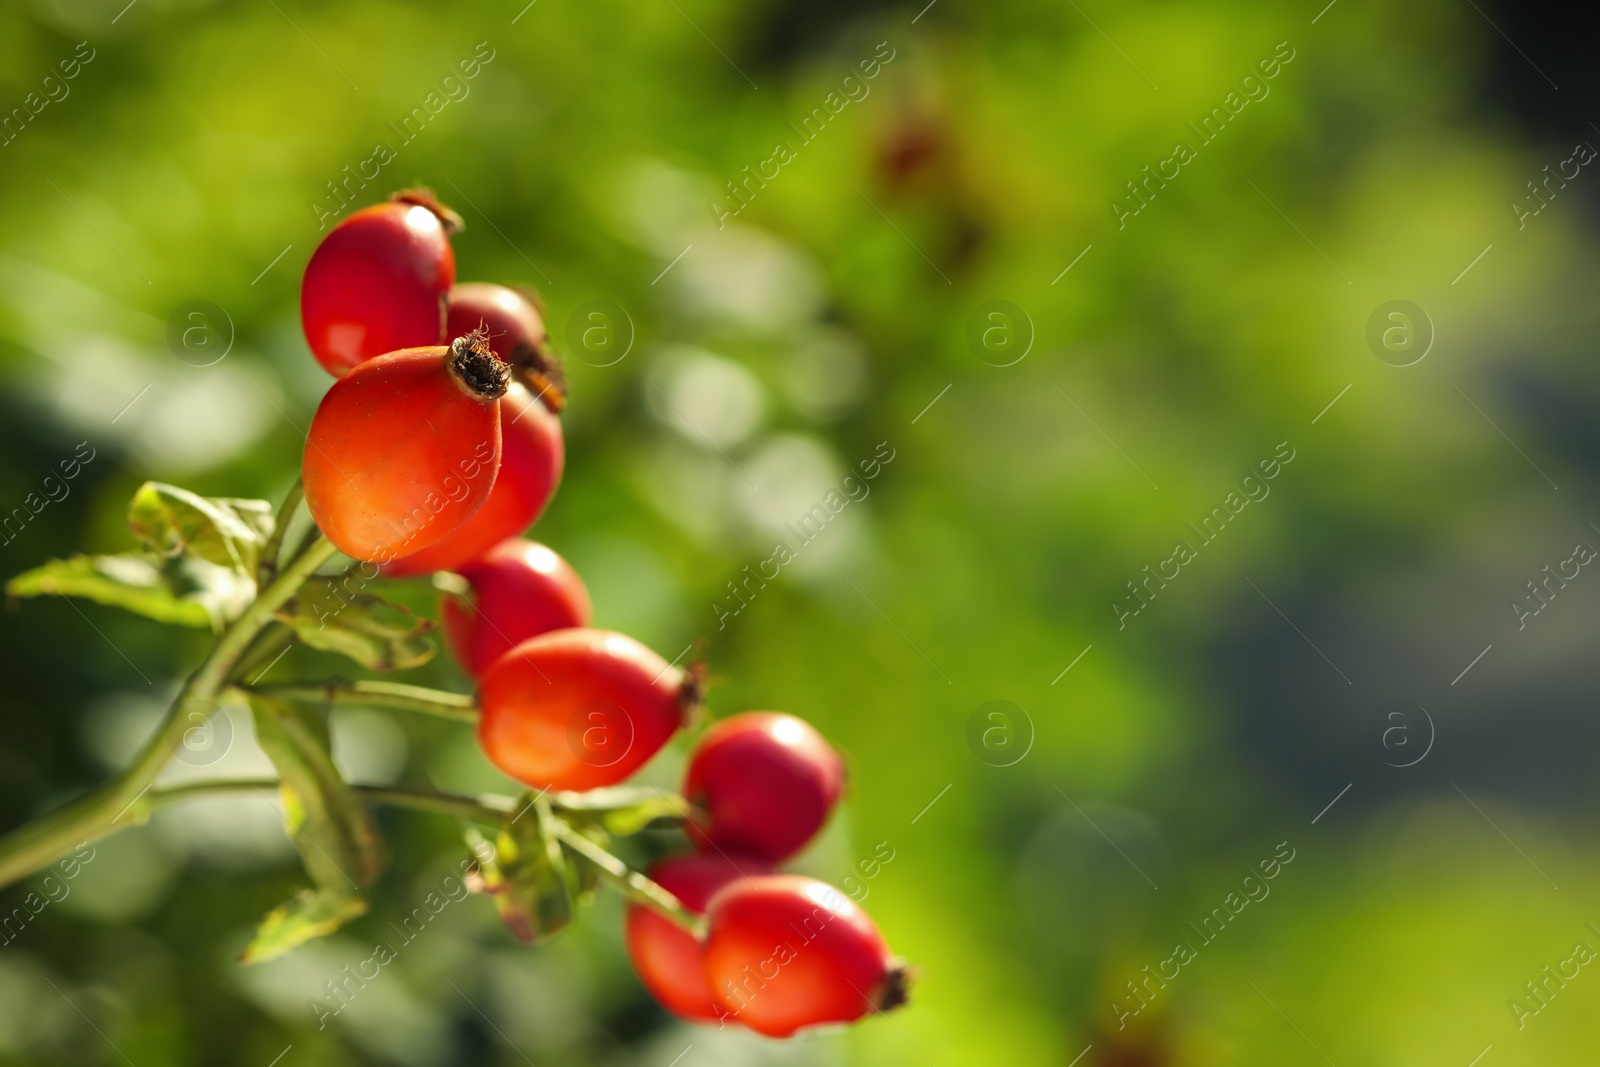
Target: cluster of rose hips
x,y
434,450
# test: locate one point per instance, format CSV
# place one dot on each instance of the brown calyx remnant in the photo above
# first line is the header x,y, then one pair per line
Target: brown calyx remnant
x,y
422,196
479,372
535,364
894,988
692,691
538,368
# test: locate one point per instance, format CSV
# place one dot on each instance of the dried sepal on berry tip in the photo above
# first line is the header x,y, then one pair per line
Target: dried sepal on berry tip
x,y
478,370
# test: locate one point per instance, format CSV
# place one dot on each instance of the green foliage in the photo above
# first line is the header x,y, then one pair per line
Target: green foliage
x,y
329,823
182,591
197,569
530,879
309,914
173,521
377,634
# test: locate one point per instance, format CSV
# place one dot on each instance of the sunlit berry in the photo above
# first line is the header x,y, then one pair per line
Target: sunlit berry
x,y
377,282
784,952
404,449
763,783
520,589
580,709
531,457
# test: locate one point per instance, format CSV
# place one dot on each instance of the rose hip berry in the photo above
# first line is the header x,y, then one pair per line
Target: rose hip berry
x,y
516,333
377,282
784,952
404,449
580,709
520,589
765,781
531,457
667,957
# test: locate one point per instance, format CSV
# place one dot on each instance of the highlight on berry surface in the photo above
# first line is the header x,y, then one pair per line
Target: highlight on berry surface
x,y
763,784
377,282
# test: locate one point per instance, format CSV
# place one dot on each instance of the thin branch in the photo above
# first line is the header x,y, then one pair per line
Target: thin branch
x,y
456,706
622,796
487,808
633,885
99,812
265,651
267,566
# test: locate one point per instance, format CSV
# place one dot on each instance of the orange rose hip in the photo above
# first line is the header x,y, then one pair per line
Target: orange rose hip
x,y
580,709
405,448
784,952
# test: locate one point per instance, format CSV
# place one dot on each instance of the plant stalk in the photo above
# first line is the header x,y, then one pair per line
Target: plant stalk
x,y
454,706
486,808
633,885
93,815
267,568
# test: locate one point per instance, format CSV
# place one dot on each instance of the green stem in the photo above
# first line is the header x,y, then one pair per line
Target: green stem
x,y
375,694
38,844
267,569
486,808
618,796
633,885
264,653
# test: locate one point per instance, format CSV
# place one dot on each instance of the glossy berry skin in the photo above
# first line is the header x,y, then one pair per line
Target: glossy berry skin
x,y
579,709
520,589
766,782
377,282
404,449
666,957
784,952
531,458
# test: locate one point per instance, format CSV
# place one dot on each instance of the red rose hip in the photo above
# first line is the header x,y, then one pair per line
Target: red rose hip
x,y
765,781
666,957
516,331
580,709
377,282
520,589
784,952
404,449
531,457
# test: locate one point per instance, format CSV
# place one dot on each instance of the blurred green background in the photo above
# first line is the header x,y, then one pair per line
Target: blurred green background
x,y
1041,460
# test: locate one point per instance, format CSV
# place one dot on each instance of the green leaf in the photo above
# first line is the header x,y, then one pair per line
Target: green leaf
x,y
328,821
327,614
183,591
222,531
310,914
529,878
